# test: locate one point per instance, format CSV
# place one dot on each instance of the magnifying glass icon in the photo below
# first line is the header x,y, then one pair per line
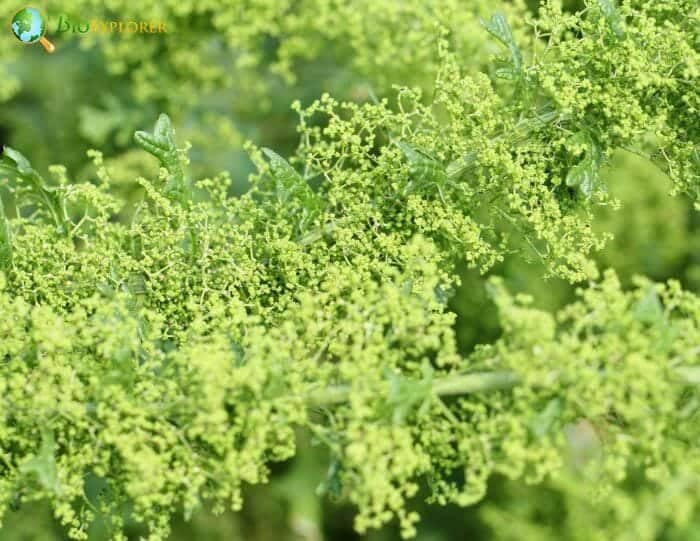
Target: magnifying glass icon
x,y
29,26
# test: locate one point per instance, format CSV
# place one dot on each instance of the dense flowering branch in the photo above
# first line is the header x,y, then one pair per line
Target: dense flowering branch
x,y
173,356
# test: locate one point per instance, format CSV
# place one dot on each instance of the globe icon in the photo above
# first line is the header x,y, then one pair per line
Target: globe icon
x,y
29,26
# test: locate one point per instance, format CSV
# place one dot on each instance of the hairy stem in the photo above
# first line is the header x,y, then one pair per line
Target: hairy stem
x,y
460,384
451,385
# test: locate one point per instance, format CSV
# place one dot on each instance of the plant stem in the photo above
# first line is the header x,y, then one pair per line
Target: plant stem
x,y
452,385
5,239
475,383
460,384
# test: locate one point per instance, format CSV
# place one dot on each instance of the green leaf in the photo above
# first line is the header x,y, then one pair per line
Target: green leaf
x,y
43,464
545,420
332,486
39,191
163,131
649,309
14,163
161,144
498,27
457,167
287,180
161,141
17,158
607,7
611,13
510,74
586,174
411,154
422,167
292,191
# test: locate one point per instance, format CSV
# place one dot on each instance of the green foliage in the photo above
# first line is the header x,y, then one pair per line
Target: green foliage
x,y
498,27
44,464
161,143
169,344
5,240
33,189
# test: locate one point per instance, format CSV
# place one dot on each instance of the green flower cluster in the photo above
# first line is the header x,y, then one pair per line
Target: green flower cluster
x,y
202,36
220,66
171,352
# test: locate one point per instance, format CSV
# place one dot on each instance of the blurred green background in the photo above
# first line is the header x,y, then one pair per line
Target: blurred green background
x,y
227,72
